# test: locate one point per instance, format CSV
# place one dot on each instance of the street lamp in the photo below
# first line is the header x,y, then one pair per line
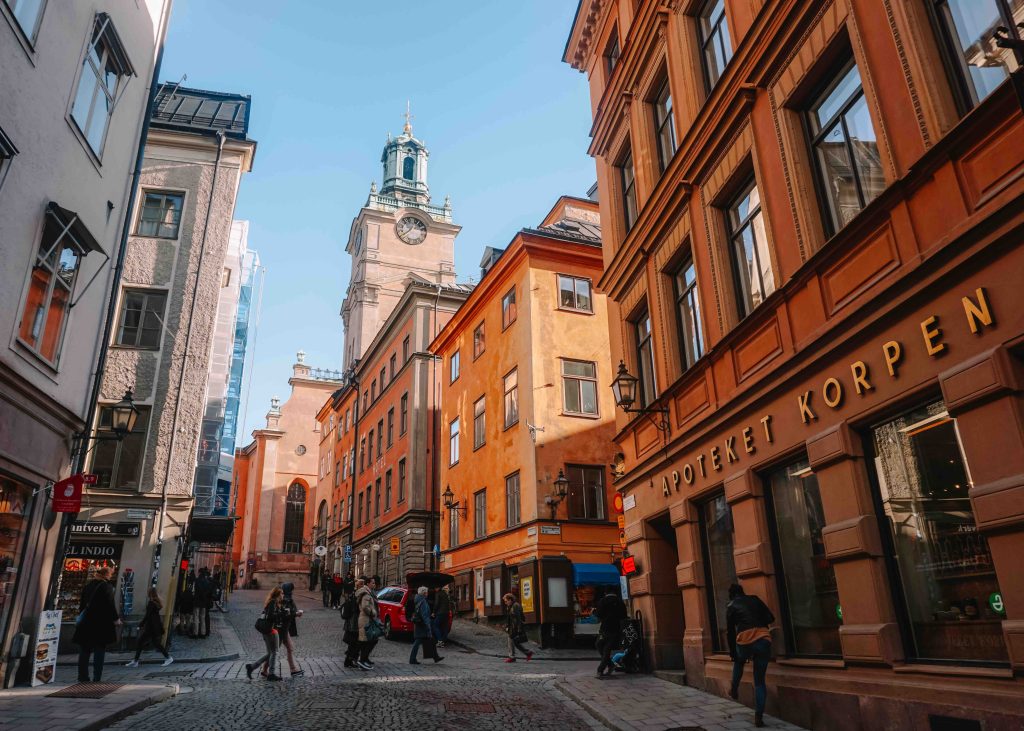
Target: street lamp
x,y
123,416
624,388
561,486
449,502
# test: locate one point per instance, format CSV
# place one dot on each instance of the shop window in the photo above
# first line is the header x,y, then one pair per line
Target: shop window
x,y
82,560
508,308
845,148
586,492
118,463
716,46
716,532
968,29
691,338
942,562
749,249
648,385
15,505
806,578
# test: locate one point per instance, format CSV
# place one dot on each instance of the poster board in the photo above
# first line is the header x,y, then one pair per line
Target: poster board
x,y
45,656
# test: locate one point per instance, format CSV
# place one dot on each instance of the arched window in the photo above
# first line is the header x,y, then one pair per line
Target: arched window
x,y
321,518
408,168
294,517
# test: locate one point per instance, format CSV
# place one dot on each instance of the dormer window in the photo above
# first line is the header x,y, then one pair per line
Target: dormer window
x,y
409,168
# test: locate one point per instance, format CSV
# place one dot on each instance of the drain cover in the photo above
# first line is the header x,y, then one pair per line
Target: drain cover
x,y
86,690
461,707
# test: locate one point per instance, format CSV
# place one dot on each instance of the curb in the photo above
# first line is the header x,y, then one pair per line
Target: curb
x,y
177,661
564,687
536,657
166,692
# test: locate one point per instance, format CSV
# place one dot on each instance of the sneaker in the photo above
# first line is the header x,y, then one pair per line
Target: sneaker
x,y
529,656
350,663
440,644
510,659
438,658
132,664
298,673
168,661
368,662
362,665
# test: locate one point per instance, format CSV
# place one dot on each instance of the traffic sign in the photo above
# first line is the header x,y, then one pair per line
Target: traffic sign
x,y
622,538
617,503
347,557
396,545
622,521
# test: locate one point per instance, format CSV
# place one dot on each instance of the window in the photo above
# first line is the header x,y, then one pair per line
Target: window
x,y
391,427
579,387
359,512
969,27
105,65
401,480
403,415
574,294
160,216
627,188
845,148
691,339
366,400
940,563
373,390
611,53
716,534
7,152
806,578
337,474
118,464
408,168
380,437
383,379
453,528
48,301
480,514
749,248
369,447
454,366
513,517
586,492
406,350
362,454
508,308
27,13
664,125
349,513
453,441
512,398
294,518
376,498
393,365
479,423
478,341
387,491
714,40
648,385
344,466
142,318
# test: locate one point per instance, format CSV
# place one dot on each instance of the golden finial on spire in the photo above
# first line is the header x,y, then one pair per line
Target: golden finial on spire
x,y
408,118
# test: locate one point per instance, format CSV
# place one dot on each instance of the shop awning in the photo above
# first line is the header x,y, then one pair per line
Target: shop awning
x,y
76,229
595,574
210,529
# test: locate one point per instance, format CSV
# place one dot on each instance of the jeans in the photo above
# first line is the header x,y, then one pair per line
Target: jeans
x,y
439,625
289,647
513,646
760,652
97,652
201,621
417,643
271,640
607,643
146,636
365,648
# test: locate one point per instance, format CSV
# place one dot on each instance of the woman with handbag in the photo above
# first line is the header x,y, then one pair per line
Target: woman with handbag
x,y
151,629
422,633
269,625
290,628
369,626
515,622
96,625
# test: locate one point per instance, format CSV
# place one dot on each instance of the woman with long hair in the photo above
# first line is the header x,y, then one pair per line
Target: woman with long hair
x,y
96,625
151,629
269,625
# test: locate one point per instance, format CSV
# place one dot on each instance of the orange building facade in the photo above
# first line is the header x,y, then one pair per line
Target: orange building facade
x,y
524,400
811,224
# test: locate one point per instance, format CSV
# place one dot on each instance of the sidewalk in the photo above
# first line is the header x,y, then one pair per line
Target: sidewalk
x,y
29,709
627,702
488,640
222,645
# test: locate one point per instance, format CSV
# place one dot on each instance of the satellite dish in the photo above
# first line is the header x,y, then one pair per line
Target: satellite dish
x,y
320,550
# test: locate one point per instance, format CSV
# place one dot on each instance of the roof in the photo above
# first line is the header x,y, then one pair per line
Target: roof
x,y
573,228
201,112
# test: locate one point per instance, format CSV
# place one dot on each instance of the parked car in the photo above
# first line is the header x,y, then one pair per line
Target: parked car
x,y
392,599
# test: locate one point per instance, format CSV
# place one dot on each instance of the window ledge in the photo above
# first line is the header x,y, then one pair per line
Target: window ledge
x,y
574,415
811,662
575,311
955,670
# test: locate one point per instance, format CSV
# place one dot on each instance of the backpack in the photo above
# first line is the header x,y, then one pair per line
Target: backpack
x,y
348,609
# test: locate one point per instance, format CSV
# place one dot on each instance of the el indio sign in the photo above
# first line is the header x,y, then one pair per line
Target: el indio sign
x,y
833,393
95,551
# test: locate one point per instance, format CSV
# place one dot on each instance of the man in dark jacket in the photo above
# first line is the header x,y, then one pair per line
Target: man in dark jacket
x,y
439,620
611,611
749,639
204,601
97,624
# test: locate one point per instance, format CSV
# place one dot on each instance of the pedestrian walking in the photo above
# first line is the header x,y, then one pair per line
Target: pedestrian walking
x,y
515,626
366,599
151,630
350,620
325,587
96,625
203,602
422,629
314,572
269,626
336,588
611,610
290,628
748,619
441,616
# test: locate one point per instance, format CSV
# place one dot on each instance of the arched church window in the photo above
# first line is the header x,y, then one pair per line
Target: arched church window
x,y
408,168
294,517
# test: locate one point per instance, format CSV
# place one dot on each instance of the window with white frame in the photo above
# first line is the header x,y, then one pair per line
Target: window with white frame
x,y
511,390
454,367
453,441
479,423
574,293
142,318
104,70
508,308
160,215
749,248
27,13
579,387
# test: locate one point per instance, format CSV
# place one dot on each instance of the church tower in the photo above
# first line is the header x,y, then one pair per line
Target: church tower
x,y
398,236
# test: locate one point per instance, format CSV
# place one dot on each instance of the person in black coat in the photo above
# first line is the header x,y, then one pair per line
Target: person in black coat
x,y
96,626
748,619
290,628
611,611
204,589
151,629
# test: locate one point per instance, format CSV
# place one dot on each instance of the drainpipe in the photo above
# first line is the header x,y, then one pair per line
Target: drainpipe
x,y
78,458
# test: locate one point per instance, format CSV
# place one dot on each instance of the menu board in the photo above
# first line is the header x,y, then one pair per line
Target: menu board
x,y
47,635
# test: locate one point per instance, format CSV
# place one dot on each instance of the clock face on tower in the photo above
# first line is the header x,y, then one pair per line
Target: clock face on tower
x,y
411,230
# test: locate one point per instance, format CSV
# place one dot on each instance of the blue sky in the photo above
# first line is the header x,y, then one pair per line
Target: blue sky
x,y
505,120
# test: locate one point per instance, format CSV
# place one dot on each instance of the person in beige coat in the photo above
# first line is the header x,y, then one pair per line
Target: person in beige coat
x,y
366,599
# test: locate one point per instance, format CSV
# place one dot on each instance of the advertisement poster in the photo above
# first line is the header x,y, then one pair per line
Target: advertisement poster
x,y
47,634
526,593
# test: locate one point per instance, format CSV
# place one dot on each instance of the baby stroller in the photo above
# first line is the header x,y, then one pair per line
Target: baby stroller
x,y
628,658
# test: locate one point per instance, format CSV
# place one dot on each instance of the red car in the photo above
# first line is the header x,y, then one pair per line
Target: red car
x,y
391,600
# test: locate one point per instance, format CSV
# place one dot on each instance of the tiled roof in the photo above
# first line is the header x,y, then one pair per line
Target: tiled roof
x,y
201,112
572,228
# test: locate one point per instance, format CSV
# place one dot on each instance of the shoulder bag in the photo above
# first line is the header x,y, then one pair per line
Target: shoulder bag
x,y
374,630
